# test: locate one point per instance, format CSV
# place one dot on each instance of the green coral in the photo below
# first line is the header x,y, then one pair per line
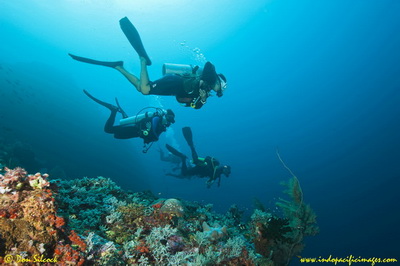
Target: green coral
x,y
85,202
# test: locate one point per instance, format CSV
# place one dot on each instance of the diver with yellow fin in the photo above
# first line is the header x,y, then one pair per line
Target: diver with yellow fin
x,y
203,167
148,125
191,85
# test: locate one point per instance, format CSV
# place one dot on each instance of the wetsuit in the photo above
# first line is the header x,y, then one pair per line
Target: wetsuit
x,y
152,125
203,168
185,89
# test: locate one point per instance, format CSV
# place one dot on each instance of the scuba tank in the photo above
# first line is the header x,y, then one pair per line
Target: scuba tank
x,y
185,71
134,119
182,70
145,129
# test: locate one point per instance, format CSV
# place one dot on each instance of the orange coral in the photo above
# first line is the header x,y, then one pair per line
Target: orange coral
x,y
59,222
75,239
158,204
13,216
68,256
3,213
142,247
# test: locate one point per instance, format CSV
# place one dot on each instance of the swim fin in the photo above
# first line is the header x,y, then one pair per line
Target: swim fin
x,y
134,38
175,151
187,133
124,115
107,105
96,62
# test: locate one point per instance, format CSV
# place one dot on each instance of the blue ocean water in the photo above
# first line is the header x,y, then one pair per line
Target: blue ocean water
x,y
318,80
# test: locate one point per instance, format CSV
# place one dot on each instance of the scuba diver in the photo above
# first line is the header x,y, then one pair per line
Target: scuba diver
x,y
147,126
203,167
190,85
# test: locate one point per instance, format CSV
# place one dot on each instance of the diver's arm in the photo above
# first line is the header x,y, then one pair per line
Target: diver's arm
x,y
203,92
197,104
157,126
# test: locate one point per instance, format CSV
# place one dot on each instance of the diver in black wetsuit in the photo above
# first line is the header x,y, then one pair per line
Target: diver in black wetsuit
x,y
190,89
203,167
147,126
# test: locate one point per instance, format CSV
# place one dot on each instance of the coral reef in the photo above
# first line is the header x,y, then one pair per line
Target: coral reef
x,y
93,221
29,224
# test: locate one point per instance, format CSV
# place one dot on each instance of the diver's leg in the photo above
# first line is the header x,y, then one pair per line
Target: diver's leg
x,y
175,152
188,135
126,132
184,169
144,77
130,77
143,84
109,126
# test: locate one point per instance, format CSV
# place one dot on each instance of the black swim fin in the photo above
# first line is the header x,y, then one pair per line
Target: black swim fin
x,y
124,115
187,133
108,105
175,151
134,38
96,62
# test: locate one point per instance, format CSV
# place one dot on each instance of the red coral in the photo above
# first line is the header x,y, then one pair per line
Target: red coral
x,y
13,216
75,239
157,205
59,222
3,213
142,247
68,256
13,212
51,218
58,251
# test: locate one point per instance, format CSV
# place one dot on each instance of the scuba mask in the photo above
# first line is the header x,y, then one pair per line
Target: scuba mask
x,y
169,117
223,85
